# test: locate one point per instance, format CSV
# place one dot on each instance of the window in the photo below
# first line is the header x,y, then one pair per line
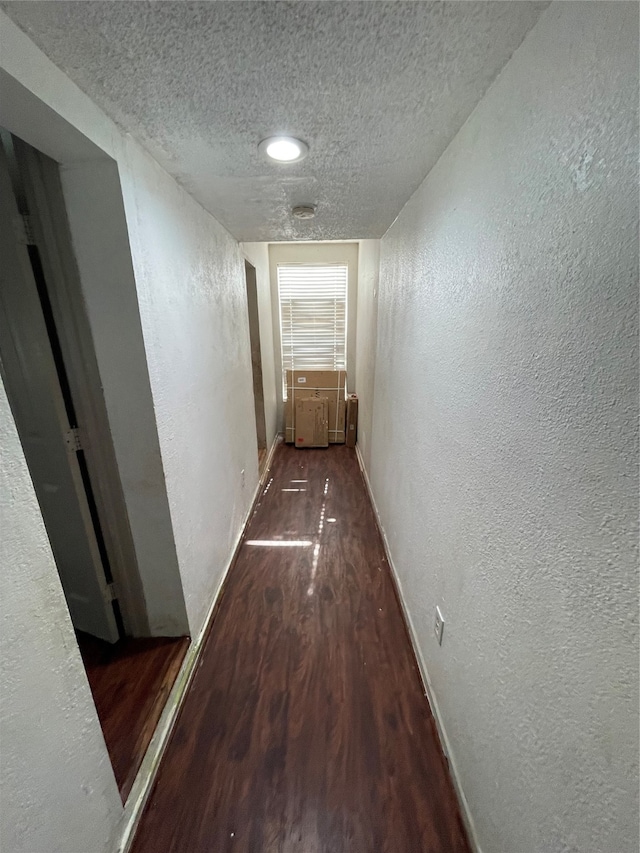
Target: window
x,y
313,316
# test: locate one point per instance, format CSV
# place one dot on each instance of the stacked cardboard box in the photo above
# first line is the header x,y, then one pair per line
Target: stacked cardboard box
x,y
312,423
309,384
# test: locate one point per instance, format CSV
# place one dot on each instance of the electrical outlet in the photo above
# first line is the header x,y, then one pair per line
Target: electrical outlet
x,y
242,478
438,626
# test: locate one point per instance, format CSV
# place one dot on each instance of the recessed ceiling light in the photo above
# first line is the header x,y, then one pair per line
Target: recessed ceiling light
x,y
284,149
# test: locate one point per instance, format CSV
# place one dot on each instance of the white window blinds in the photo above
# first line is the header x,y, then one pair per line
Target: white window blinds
x,y
313,316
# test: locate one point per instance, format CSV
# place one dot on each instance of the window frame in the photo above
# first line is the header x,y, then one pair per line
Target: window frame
x,y
289,363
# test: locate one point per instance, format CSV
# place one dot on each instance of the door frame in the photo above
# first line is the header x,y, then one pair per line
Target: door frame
x,y
37,389
251,287
40,182
99,195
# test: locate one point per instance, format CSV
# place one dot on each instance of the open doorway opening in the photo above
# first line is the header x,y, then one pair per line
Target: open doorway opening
x,y
256,363
39,386
50,373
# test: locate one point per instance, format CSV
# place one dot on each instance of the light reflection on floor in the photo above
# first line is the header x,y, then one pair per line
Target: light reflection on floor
x,y
300,543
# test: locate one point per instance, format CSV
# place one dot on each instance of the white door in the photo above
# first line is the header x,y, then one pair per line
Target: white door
x,y
43,411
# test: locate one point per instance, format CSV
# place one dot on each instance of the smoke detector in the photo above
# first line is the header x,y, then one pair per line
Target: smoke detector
x,y
304,211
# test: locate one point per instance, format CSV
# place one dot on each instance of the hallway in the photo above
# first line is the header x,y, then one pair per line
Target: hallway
x,y
305,728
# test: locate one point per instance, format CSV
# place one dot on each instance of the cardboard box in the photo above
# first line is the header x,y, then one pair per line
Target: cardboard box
x,y
352,420
312,424
303,384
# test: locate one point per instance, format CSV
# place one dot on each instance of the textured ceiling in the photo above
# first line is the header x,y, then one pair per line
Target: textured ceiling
x,y
377,90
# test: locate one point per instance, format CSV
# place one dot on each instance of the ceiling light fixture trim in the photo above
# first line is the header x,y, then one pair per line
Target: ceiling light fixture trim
x,y
304,211
284,149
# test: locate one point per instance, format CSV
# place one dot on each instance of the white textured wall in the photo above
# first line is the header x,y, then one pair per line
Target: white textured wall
x,y
57,792
366,335
189,277
193,306
505,436
258,255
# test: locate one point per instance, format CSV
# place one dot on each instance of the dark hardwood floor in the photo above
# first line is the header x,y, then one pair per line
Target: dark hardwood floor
x,y
130,682
305,729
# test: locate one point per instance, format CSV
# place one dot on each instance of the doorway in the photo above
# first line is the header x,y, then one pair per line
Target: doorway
x,y
40,390
256,363
49,369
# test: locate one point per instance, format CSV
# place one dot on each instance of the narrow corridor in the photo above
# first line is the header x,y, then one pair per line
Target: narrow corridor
x,y
305,728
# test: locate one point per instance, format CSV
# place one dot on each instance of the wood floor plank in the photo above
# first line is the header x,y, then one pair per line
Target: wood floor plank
x,y
305,728
130,682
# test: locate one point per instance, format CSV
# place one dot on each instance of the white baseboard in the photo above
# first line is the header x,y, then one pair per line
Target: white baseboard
x,y
276,441
146,775
424,675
